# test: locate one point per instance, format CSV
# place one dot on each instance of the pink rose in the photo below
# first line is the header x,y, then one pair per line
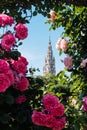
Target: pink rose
x,y
38,118
17,77
21,99
50,121
6,72
58,110
10,77
49,101
23,59
8,41
52,16
60,124
6,20
21,31
19,66
58,44
4,66
68,62
23,84
4,82
64,45
84,63
85,104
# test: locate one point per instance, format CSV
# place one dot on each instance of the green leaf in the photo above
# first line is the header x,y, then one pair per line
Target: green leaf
x,y
21,117
34,13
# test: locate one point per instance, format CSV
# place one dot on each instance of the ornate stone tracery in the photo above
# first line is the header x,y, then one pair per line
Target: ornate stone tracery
x,y
49,67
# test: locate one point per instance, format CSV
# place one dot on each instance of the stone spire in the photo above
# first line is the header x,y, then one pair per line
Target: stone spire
x,y
49,67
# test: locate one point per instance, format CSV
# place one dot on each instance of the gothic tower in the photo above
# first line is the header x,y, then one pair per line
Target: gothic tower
x,y
49,67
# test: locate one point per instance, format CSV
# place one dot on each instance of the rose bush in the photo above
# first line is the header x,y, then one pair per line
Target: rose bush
x,y
13,81
15,67
75,62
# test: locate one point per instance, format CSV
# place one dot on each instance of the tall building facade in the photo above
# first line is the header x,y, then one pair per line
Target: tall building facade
x,y
49,67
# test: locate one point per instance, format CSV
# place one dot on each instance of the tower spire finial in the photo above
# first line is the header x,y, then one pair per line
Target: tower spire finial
x,y
49,40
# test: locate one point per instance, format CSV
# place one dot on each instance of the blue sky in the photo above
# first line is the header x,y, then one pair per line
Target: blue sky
x,y
35,46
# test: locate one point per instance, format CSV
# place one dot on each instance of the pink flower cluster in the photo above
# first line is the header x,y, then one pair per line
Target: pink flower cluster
x,y
62,44
84,63
85,104
8,40
20,99
10,75
20,67
52,115
12,72
68,62
52,16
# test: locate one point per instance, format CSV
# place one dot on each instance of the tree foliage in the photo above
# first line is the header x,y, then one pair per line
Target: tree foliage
x,y
23,10
73,20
